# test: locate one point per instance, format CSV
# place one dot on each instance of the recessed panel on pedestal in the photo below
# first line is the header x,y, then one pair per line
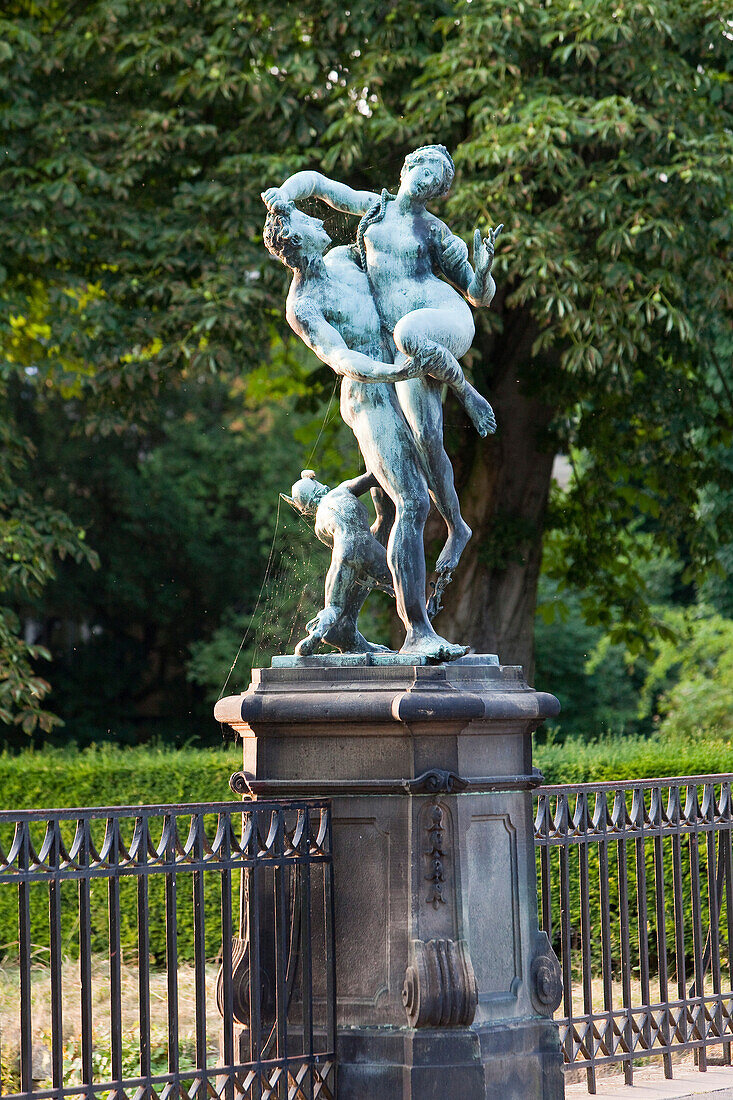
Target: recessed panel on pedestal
x,y
362,849
493,929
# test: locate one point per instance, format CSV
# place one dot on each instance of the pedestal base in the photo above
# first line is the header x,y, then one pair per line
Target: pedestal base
x,y
514,1061
445,983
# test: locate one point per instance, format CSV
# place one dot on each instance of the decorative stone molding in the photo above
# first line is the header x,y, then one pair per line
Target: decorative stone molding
x,y
240,785
436,855
440,986
435,781
240,983
545,977
407,694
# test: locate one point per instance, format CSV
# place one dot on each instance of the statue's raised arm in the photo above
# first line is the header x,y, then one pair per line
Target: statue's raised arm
x,y
304,185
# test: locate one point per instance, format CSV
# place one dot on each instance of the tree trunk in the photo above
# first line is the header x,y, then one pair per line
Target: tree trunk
x,y
503,484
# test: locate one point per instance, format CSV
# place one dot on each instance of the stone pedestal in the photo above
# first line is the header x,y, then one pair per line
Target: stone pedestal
x,y
445,985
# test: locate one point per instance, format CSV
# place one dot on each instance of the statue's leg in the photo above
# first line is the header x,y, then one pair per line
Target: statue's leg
x,y
441,335
317,629
367,569
423,409
345,634
384,509
389,451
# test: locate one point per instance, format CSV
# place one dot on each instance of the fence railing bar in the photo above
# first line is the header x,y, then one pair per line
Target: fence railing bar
x,y
641,784
306,957
255,965
193,1077
24,945
565,922
112,844
581,816
661,929
711,955
157,809
674,811
281,952
605,901
196,837
226,960
329,909
631,833
625,956
638,813
698,986
142,838
55,959
725,842
171,944
74,874
85,958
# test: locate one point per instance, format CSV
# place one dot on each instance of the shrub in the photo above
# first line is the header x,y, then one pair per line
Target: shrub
x,y
617,758
110,776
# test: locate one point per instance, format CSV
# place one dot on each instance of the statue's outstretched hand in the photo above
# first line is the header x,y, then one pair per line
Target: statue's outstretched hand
x,y
483,251
274,198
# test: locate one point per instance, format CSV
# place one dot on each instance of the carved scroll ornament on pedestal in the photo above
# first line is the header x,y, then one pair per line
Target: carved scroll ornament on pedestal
x,y
440,986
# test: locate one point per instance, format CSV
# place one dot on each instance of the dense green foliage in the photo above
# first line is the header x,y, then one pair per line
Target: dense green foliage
x,y
136,139
108,776
113,777
181,513
608,759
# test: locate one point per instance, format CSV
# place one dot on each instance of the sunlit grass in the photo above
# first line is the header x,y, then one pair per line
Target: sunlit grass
x,y
101,1019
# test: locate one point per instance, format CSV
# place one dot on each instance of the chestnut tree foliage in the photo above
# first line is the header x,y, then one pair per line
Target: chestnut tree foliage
x,y
135,139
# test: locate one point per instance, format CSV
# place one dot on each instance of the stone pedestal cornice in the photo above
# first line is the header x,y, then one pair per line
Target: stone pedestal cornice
x,y
368,694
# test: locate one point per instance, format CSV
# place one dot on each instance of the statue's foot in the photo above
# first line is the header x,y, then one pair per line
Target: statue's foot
x,y
352,641
307,646
375,647
430,644
455,544
480,413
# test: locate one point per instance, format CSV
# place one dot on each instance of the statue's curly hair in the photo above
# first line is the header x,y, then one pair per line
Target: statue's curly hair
x,y
278,236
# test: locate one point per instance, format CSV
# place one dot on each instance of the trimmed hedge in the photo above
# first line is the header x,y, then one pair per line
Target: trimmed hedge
x,y
613,758
110,776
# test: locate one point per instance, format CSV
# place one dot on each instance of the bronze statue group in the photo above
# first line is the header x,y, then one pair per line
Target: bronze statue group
x,y
390,315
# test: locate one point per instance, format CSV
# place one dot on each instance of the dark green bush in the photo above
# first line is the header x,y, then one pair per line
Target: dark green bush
x,y
613,758
616,760
114,777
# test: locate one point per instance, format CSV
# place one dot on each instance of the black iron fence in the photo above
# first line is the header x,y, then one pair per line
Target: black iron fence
x,y
636,882
130,939
139,934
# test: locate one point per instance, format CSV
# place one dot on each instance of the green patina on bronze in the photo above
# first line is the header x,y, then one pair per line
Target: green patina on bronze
x,y
390,315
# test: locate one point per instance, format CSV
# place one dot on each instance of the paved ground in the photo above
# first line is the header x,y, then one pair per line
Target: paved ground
x,y
688,1084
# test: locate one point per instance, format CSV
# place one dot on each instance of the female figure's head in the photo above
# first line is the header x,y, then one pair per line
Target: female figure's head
x,y
427,173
